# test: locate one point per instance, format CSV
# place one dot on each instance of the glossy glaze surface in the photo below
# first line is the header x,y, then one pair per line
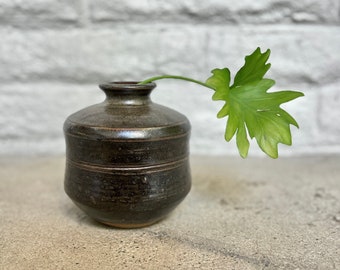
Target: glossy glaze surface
x,y
127,157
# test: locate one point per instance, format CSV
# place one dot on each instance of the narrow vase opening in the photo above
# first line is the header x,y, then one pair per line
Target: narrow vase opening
x,y
127,92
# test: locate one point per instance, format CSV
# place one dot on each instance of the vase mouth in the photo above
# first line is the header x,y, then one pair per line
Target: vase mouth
x,y
126,85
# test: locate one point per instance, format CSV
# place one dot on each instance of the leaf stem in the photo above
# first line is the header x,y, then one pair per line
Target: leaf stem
x,y
174,77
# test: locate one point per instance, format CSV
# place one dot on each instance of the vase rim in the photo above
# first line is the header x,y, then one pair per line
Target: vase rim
x,y
126,85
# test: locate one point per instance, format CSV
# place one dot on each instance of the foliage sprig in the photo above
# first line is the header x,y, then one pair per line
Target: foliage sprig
x,y
252,112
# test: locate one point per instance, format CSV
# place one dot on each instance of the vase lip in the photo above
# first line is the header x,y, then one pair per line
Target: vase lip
x,y
126,85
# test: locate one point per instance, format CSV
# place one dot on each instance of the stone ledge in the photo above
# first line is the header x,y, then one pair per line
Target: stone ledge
x,y
240,214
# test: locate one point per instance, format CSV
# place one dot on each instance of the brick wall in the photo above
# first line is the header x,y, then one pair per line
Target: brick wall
x,y
54,53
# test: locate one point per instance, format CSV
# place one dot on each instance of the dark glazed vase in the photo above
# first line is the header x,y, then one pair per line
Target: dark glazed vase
x,y
127,157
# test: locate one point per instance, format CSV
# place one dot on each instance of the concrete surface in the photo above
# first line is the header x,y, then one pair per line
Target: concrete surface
x,y
240,214
51,49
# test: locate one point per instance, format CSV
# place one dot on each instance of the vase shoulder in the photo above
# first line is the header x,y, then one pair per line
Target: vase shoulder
x,y
105,120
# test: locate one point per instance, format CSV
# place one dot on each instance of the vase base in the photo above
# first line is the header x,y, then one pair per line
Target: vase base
x,y
127,225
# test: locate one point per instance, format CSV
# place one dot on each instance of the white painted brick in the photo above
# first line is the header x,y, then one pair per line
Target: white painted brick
x,y
304,111
180,51
265,11
36,111
318,115
39,13
299,54
217,11
85,56
32,115
328,114
75,55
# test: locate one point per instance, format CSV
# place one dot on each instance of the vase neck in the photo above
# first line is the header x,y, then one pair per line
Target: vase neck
x,y
127,93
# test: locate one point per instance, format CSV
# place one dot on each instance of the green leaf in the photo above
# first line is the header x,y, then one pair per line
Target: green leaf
x,y
254,68
242,141
260,111
220,82
251,110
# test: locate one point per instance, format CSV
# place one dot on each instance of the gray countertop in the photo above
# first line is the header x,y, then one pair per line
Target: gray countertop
x,y
240,214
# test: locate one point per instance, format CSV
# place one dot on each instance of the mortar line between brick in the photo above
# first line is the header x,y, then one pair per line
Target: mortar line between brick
x,y
338,12
88,25
99,24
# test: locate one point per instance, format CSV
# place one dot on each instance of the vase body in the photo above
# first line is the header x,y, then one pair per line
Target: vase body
x,y
127,158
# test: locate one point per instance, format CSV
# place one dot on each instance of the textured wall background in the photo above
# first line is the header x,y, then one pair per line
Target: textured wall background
x,y
54,53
